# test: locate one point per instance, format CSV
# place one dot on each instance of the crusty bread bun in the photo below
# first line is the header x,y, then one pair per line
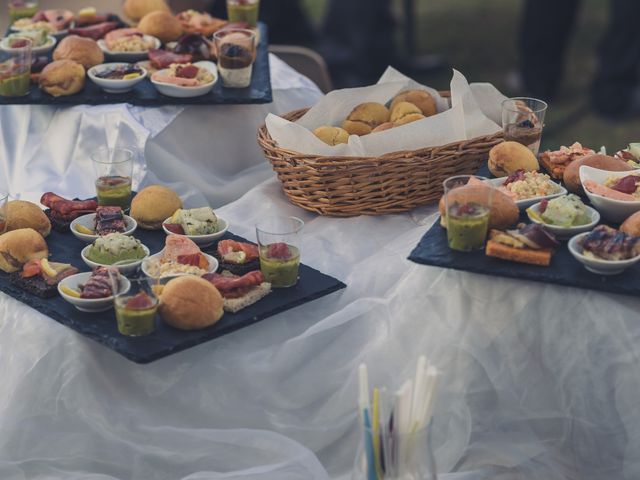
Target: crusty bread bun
x,y
631,225
571,175
161,24
83,50
331,135
154,204
19,246
136,9
64,77
190,303
365,117
22,214
403,109
507,157
420,98
383,126
504,211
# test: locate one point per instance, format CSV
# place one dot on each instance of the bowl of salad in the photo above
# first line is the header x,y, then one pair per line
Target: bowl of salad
x,y
564,216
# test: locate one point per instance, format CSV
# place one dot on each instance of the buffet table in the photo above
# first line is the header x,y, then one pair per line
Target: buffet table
x,y
538,381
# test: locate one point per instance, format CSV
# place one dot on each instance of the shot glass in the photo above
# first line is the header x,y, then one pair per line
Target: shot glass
x,y
245,11
523,121
467,220
22,9
236,53
114,170
4,198
279,241
15,68
136,310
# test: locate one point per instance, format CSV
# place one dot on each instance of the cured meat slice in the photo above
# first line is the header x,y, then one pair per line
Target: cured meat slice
x,y
95,32
64,207
177,247
98,285
227,247
109,220
162,58
233,287
114,35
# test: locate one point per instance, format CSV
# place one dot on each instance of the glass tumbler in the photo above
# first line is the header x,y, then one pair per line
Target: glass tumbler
x,y
15,68
114,171
22,9
523,121
279,241
136,309
467,210
236,50
245,11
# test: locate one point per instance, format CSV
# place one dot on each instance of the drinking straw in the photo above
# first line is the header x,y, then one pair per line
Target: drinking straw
x,y
371,468
403,414
375,432
418,400
432,380
385,422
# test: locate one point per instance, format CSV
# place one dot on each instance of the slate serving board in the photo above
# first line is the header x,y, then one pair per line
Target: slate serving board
x,y
166,340
146,95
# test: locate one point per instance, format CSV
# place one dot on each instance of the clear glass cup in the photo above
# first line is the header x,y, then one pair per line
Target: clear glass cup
x,y
407,456
279,242
245,11
467,221
136,310
21,9
15,68
114,171
4,198
523,121
236,49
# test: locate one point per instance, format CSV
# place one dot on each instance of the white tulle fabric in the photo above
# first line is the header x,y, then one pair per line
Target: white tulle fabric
x,y
538,381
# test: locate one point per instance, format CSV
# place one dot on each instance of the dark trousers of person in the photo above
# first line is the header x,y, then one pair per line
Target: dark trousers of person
x,y
546,28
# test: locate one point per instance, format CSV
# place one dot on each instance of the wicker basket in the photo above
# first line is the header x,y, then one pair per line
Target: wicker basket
x,y
392,183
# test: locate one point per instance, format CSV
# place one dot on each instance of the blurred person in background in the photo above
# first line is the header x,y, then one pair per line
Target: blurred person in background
x,y
545,31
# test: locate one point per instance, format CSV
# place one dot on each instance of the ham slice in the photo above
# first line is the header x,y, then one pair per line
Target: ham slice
x,y
162,58
60,19
177,247
181,82
95,32
607,192
113,36
234,287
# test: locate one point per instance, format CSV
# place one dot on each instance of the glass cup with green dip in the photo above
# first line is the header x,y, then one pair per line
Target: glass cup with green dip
x,y
467,212
114,171
15,68
243,11
136,310
22,9
279,242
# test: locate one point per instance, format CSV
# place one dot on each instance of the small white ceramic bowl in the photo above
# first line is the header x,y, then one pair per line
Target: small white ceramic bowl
x,y
58,35
41,50
124,269
527,202
87,221
213,265
112,85
566,232
202,240
90,304
613,210
596,265
129,57
177,91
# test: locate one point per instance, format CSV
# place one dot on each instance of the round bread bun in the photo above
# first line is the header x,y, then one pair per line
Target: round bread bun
x,y
83,50
190,303
22,214
331,135
136,9
504,211
161,24
19,246
420,98
507,157
383,126
631,225
403,109
154,204
365,117
63,77
412,117
571,175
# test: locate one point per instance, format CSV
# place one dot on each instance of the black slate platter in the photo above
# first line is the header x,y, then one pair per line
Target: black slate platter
x,y
146,95
166,340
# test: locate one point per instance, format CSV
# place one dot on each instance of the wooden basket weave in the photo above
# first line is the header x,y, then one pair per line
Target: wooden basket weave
x,y
392,183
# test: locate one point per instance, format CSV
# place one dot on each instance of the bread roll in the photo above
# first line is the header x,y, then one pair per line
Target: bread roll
x,y
420,98
504,211
136,9
631,225
507,157
21,214
190,303
331,135
154,204
405,112
64,77
161,24
571,175
19,246
83,50
365,117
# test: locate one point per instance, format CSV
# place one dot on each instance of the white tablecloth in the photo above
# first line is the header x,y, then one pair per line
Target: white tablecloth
x,y
538,381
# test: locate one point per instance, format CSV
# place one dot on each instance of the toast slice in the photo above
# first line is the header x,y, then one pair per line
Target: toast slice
x,y
234,305
521,255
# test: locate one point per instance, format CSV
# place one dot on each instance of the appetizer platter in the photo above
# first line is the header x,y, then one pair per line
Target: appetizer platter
x,y
81,264
153,58
575,223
